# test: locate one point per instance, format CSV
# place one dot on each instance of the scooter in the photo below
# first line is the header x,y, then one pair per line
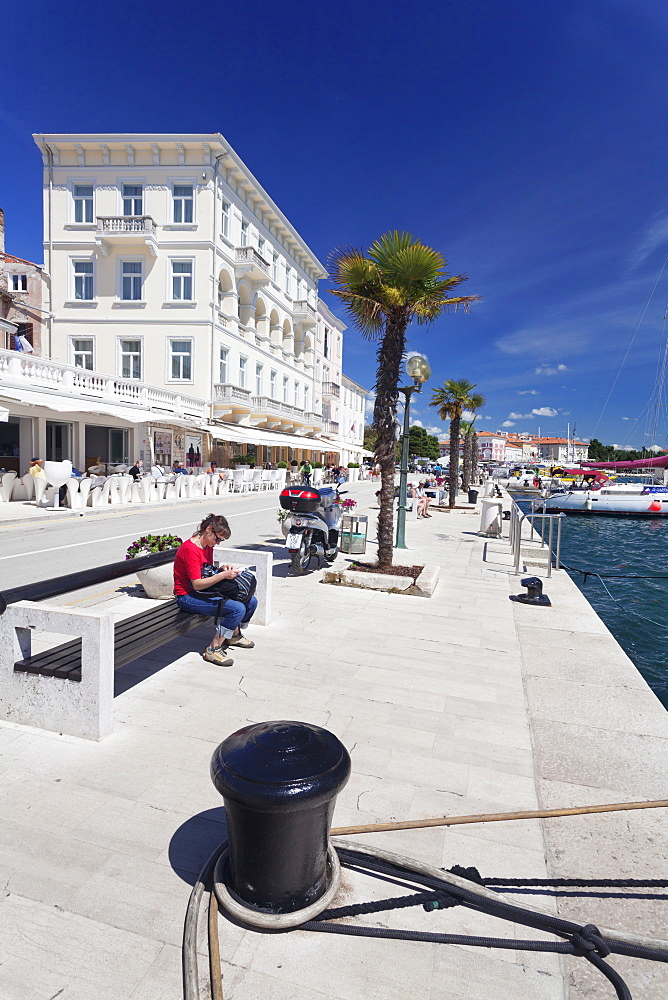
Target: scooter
x,y
313,529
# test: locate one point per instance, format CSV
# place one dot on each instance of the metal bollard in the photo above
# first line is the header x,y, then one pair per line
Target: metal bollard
x,y
279,781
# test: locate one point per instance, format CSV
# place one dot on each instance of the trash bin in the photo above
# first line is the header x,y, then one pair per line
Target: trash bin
x,y
473,496
490,518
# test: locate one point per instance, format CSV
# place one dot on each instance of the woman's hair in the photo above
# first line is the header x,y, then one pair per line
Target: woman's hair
x,y
217,523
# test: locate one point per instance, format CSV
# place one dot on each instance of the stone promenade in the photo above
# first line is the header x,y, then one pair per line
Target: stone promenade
x,y
461,704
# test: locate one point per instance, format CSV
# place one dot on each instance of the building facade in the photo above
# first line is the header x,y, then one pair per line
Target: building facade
x,y
173,270
21,294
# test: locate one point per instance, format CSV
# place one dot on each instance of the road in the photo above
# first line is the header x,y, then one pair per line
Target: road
x,y
39,551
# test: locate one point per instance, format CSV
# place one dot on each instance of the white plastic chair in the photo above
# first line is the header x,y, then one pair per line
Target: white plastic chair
x,y
73,495
199,485
210,484
160,485
39,485
26,489
256,479
248,478
266,479
171,489
84,491
7,485
124,487
57,474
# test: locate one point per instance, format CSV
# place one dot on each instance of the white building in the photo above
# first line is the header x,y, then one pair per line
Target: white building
x,y
351,421
178,283
563,450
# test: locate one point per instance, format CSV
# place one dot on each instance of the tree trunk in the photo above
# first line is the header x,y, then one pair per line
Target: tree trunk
x,y
454,459
466,472
390,355
474,458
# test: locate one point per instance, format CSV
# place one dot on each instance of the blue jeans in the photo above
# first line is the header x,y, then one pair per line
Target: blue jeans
x,y
233,613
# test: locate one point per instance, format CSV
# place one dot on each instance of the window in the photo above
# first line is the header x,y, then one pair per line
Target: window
x,y
306,397
225,218
19,282
130,358
272,384
244,233
286,382
287,279
82,353
258,380
274,267
296,396
299,289
181,357
243,366
83,202
132,199
183,203
182,280
83,279
326,347
260,245
224,354
131,283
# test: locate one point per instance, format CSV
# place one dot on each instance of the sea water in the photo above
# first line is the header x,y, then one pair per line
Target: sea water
x,y
635,610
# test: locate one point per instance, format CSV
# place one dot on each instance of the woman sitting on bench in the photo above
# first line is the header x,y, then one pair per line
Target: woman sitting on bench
x,y
190,589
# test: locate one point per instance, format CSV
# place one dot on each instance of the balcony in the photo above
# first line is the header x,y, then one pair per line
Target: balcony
x,y
126,231
331,390
304,313
232,402
79,385
249,264
330,428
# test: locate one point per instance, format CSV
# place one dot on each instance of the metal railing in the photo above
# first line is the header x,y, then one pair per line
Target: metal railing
x,y
517,518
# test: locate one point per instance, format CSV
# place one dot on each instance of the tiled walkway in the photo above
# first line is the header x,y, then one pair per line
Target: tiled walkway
x,y
460,704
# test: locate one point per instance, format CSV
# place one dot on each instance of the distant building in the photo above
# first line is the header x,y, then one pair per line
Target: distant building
x,y
562,450
21,295
491,446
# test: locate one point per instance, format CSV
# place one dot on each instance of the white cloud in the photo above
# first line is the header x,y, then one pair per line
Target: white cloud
x,y
654,236
434,430
508,423
655,447
627,418
545,369
369,404
624,447
520,416
527,392
545,411
468,414
416,423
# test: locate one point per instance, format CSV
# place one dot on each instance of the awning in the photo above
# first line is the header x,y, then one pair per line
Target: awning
x,y
61,404
240,434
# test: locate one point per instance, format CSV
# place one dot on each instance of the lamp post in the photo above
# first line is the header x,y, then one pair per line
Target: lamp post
x,y
417,368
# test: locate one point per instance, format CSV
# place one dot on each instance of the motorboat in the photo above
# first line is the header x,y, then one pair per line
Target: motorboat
x,y
618,499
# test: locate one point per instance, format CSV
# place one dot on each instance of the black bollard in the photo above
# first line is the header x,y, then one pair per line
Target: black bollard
x,y
534,594
279,781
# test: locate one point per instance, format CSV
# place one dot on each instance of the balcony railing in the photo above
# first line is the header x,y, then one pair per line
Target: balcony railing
x,y
330,427
227,392
304,313
80,383
109,224
331,389
249,262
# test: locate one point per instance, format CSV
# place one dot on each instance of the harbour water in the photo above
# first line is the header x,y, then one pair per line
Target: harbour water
x,y
635,610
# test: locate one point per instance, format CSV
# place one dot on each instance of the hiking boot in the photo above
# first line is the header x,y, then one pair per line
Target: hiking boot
x,y
241,641
217,656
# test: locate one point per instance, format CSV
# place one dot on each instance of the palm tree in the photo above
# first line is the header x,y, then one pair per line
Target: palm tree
x,y
452,399
466,428
397,281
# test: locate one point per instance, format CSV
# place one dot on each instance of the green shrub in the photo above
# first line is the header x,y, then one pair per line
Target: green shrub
x,y
353,465
317,465
281,465
240,459
294,463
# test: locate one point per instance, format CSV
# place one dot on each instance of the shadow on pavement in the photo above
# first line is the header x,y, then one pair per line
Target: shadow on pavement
x,y
195,841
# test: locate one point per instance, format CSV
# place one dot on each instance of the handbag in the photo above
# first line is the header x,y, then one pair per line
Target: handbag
x,y
241,588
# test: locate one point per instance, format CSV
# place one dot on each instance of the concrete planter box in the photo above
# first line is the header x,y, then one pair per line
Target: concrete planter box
x,y
424,586
158,581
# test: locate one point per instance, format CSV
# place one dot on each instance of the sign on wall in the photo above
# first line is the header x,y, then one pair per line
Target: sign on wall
x,y
193,450
162,447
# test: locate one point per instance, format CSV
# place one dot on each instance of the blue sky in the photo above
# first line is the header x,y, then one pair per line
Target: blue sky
x,y
524,139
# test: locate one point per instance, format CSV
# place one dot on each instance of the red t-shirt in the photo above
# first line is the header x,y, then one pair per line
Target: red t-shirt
x,y
188,564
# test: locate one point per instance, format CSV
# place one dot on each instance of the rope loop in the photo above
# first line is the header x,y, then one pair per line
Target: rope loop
x,y
588,940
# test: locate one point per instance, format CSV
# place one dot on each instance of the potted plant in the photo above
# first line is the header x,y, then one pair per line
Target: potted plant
x,y
157,581
240,461
281,465
353,471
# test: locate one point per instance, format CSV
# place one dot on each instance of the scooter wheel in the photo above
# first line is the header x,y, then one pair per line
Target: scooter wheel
x,y
301,559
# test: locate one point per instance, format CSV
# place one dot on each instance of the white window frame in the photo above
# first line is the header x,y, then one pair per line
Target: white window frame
x,y
91,273
171,355
74,199
243,371
225,210
287,279
326,344
306,394
296,395
223,363
272,384
182,199
173,274
19,278
121,276
261,243
73,353
245,233
132,198
286,388
120,354
274,267
259,378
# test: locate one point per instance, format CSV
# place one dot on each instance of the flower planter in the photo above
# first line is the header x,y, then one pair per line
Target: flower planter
x,y
158,581
353,475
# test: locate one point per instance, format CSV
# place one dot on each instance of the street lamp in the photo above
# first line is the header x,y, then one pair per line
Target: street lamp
x,y
417,368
